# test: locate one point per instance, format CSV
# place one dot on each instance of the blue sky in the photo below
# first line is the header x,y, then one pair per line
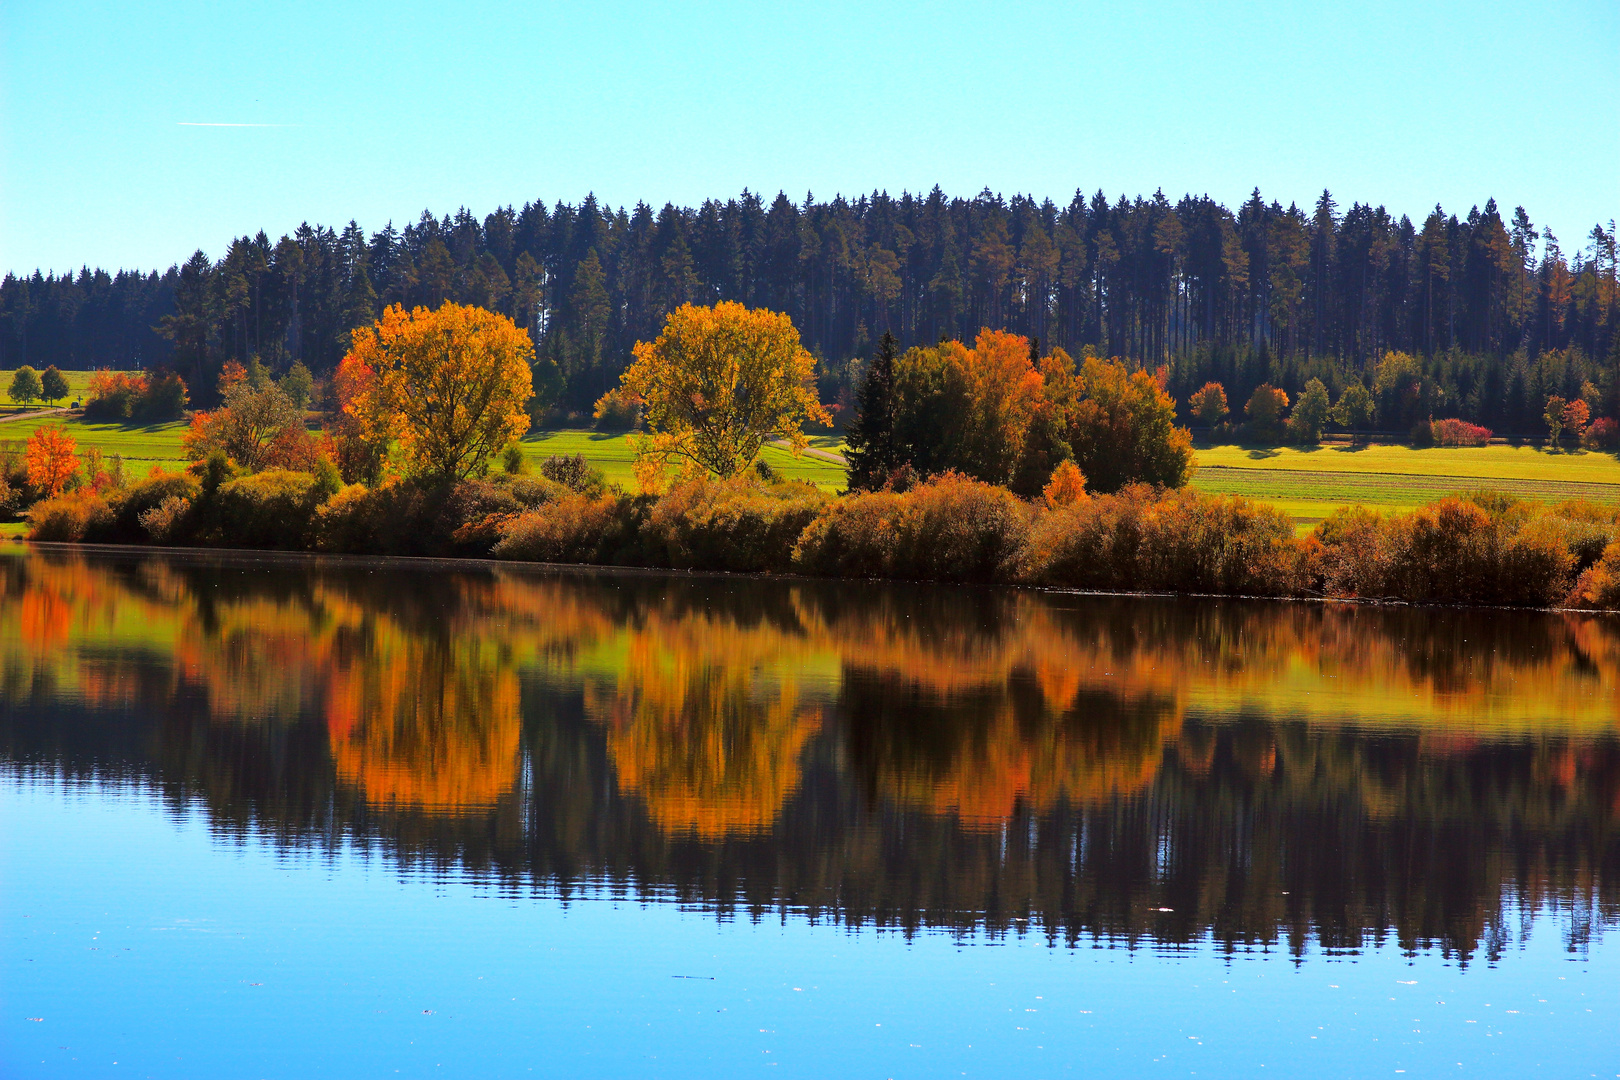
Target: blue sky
x,y
389,108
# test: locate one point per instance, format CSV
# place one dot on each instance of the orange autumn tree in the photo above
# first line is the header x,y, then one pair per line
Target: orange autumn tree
x,y
718,384
50,460
450,386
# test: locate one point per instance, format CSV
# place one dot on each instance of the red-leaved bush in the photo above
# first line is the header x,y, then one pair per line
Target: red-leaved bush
x,y
1454,432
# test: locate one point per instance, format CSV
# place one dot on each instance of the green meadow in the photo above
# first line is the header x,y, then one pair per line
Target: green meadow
x,y
1309,482
611,453
76,380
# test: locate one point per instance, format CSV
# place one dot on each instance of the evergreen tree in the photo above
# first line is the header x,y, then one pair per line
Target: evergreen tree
x,y
871,453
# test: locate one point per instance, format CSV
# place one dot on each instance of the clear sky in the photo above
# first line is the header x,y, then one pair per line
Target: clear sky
x,y
374,111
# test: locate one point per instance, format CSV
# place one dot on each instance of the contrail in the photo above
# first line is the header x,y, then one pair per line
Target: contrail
x,y
201,123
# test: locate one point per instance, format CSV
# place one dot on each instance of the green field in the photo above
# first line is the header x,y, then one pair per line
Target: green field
x,y
142,445
611,453
1308,483
77,380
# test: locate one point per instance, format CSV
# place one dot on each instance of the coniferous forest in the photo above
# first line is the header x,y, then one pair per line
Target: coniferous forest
x,y
1499,313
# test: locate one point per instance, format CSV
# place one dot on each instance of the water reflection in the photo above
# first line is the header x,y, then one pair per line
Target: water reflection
x,y
1139,770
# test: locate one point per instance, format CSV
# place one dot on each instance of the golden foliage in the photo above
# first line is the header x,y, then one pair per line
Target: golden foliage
x,y
717,384
450,385
1067,486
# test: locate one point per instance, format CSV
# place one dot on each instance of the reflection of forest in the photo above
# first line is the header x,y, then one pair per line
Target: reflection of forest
x,y
904,756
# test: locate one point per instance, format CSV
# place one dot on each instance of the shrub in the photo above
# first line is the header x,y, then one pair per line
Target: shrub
x,y
128,525
69,518
1480,550
513,463
949,529
424,516
618,410
574,529
166,521
1454,432
1181,541
740,524
125,395
1599,585
1601,434
573,472
271,509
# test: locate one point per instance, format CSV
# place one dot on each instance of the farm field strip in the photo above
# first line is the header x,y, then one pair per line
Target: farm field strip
x,y
1385,489
1487,464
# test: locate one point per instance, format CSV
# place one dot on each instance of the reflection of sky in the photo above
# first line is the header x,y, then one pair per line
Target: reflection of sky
x,y
139,939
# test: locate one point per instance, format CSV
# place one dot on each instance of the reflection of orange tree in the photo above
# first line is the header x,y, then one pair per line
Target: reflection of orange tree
x,y
976,723
426,723
705,722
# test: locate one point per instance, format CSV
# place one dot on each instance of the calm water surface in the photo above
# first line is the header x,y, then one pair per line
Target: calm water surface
x,y
278,818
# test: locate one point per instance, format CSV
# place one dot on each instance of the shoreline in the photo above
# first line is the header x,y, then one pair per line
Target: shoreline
x,y
229,556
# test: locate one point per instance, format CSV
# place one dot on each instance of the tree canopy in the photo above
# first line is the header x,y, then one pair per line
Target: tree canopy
x,y
449,385
718,383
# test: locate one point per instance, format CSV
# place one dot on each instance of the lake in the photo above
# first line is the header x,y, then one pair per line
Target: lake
x,y
281,817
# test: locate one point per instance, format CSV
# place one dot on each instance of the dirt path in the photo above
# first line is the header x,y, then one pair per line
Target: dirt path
x,y
810,451
33,412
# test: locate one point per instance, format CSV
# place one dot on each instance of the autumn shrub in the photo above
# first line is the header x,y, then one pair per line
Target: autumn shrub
x,y
270,509
1599,585
575,529
617,410
134,395
166,521
72,517
742,524
1178,541
129,506
1481,550
948,529
1455,432
1601,434
114,395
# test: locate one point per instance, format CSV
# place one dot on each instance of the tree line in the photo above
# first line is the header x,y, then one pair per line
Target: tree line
x,y
1501,315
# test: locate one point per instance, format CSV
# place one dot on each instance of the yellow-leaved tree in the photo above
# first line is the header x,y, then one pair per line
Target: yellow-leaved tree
x,y
717,385
450,385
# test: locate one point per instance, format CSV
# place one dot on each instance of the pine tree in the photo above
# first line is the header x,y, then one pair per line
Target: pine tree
x,y
871,436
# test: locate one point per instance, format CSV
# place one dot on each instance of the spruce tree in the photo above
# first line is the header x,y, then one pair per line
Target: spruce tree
x,y
872,455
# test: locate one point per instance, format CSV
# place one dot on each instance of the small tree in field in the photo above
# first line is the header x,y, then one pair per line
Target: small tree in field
x,y
25,386
718,384
53,385
1554,416
1265,409
1310,413
1208,405
1355,407
50,460
451,386
1577,413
